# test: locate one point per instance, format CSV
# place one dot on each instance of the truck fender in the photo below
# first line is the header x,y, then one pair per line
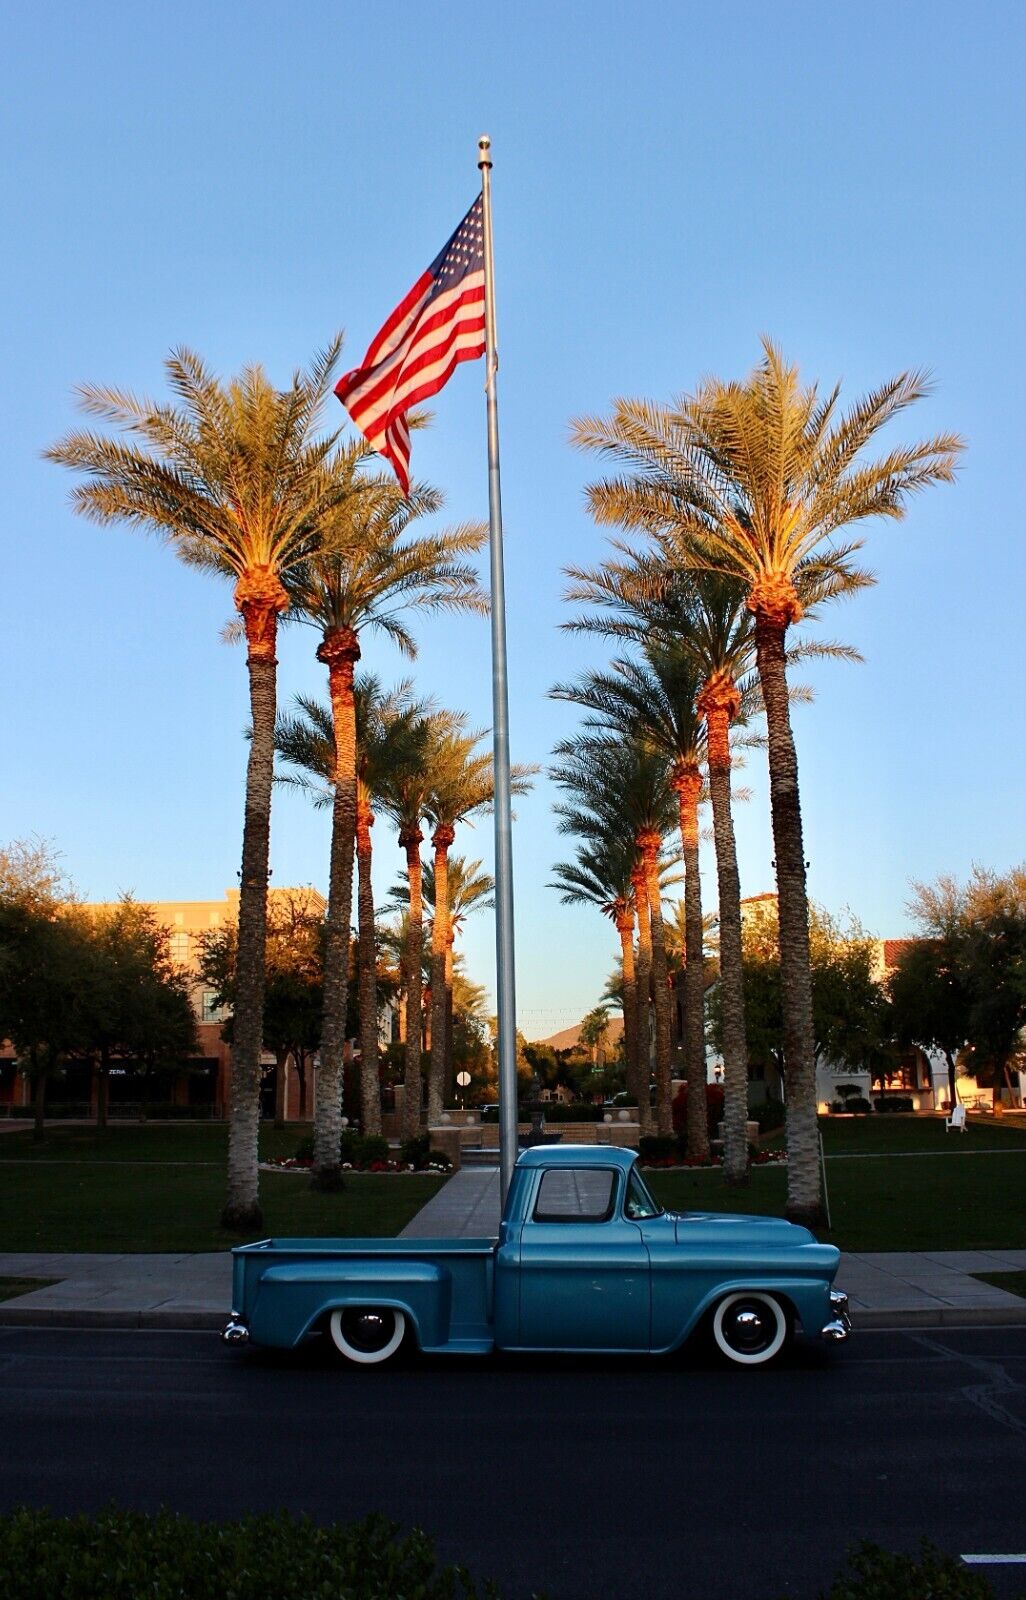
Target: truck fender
x,y
806,1300
302,1294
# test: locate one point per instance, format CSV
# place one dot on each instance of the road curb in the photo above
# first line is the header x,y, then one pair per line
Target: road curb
x,y
207,1321
70,1317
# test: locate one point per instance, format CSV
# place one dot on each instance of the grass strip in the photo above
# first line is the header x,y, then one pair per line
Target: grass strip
x,y
1012,1282
11,1288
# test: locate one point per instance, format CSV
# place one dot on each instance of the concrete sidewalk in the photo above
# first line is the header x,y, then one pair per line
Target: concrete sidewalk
x,y
895,1289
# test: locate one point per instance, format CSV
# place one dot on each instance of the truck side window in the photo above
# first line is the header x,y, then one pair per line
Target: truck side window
x,y
576,1194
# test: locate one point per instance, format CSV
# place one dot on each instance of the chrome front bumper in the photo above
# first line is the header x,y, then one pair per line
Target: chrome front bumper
x,y
839,1327
235,1330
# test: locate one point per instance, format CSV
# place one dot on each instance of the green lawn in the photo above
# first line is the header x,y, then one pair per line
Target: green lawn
x,y
10,1288
1011,1282
938,1192
126,1191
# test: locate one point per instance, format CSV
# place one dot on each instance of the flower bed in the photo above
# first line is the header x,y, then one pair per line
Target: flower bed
x,y
760,1158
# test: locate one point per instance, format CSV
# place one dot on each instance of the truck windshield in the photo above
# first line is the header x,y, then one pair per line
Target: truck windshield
x,y
638,1204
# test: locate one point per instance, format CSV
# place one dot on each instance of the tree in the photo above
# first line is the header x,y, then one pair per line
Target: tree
x,y
385,726
293,986
851,1014
469,889
754,479
654,701
968,975
626,783
232,476
404,797
134,1002
601,876
368,569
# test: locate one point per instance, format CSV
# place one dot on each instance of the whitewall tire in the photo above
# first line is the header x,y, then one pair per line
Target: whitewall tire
x,y
750,1328
367,1335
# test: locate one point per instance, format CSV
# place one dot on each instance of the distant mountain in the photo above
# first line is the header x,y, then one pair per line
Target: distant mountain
x,y
568,1037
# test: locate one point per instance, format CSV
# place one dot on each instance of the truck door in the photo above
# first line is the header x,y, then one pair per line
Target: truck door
x,y
584,1274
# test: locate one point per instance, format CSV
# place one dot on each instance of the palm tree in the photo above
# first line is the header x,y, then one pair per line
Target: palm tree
x,y
469,889
655,700
368,570
405,797
754,479
462,787
232,477
601,876
626,782
306,740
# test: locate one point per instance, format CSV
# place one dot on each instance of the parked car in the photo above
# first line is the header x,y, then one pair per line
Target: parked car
x,y
585,1260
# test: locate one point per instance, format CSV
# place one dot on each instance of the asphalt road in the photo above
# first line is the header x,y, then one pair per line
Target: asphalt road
x,y
580,1478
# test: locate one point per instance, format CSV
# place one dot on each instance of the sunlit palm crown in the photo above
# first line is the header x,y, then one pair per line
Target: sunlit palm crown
x,y
752,479
386,722
600,875
618,788
229,472
470,890
369,566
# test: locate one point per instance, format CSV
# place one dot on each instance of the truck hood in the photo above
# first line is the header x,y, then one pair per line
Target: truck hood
x,y
722,1227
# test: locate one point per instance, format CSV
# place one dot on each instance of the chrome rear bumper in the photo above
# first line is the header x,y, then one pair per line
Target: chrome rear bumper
x,y
839,1327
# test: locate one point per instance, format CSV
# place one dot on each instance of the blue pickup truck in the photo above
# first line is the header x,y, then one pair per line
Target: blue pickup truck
x,y
585,1260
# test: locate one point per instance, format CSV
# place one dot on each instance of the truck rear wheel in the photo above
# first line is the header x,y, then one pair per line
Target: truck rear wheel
x,y
750,1328
367,1335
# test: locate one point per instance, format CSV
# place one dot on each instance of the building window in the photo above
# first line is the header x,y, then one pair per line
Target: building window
x,y
211,1011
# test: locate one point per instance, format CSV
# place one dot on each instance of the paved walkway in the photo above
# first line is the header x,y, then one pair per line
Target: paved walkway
x,y
887,1290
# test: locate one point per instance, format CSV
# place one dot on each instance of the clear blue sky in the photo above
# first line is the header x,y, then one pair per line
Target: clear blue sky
x,y
670,182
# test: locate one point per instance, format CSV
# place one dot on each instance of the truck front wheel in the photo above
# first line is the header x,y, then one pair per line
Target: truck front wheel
x,y
367,1335
750,1328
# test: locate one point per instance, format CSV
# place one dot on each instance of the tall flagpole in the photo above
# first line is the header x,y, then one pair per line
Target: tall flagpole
x,y
504,966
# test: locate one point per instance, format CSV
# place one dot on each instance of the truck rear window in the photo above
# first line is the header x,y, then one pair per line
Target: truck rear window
x,y
576,1194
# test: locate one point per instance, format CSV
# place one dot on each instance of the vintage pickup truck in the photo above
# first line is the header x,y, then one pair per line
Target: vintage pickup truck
x,y
585,1260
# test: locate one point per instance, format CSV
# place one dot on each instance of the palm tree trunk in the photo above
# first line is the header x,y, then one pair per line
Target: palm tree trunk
x,y
449,1062
719,703
370,1083
804,1202
410,839
340,650
687,782
649,843
643,996
259,596
441,839
625,928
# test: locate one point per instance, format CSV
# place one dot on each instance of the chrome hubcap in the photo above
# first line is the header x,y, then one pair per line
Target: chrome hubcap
x,y
367,1330
748,1328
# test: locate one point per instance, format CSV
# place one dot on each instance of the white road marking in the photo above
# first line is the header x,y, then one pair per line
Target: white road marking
x,y
994,1561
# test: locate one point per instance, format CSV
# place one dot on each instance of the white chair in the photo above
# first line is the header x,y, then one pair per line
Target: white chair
x,y
956,1119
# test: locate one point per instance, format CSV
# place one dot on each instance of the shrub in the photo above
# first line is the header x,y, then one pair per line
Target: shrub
x,y
368,1148
714,1106
893,1102
120,1555
414,1152
837,1107
875,1574
860,1105
658,1147
305,1149
769,1114
576,1111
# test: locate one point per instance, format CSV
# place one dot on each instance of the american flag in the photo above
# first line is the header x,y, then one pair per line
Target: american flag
x,y
439,323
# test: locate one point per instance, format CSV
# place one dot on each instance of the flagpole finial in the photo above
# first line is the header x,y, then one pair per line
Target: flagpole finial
x,y
484,146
